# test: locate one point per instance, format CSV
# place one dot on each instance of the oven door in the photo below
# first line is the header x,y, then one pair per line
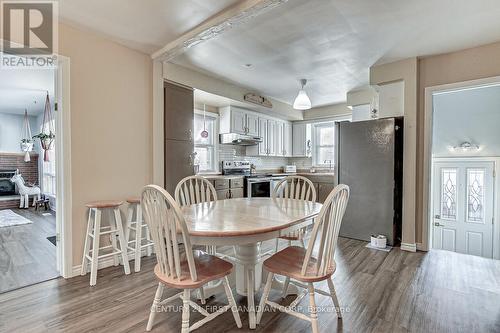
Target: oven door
x,y
259,188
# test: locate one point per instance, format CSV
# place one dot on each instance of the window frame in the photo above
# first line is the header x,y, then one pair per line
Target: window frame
x,y
316,146
215,118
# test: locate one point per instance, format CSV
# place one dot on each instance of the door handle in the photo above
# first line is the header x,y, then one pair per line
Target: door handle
x,y
437,224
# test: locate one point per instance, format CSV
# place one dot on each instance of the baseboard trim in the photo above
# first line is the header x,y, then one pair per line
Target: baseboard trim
x,y
103,263
421,247
410,247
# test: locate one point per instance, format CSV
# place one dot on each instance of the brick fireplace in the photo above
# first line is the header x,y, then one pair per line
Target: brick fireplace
x,y
29,170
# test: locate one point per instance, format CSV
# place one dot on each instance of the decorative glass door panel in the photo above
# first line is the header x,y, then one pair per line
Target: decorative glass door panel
x,y
463,207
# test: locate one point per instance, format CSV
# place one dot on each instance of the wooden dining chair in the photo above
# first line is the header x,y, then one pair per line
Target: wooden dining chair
x,y
294,187
185,270
304,268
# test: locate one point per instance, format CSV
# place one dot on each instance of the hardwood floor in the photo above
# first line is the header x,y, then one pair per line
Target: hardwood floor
x,y
26,256
398,291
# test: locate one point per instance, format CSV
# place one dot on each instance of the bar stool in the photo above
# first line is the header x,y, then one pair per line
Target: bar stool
x,y
140,240
95,231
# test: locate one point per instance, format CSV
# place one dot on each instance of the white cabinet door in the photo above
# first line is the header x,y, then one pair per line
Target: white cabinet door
x,y
287,139
252,124
238,122
463,207
280,138
263,133
272,137
299,140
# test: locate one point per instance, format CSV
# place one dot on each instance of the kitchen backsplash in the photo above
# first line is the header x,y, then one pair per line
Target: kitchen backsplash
x,y
238,153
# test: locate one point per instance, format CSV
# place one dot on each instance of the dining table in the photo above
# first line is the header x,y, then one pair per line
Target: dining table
x,y
245,223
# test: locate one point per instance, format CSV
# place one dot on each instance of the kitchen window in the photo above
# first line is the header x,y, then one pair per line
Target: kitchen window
x,y
324,144
206,148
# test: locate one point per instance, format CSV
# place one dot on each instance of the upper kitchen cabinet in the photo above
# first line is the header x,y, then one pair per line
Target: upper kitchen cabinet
x,y
284,139
301,140
179,112
236,120
276,137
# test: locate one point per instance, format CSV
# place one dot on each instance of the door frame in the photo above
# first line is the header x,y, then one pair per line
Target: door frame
x,y
496,196
428,165
64,203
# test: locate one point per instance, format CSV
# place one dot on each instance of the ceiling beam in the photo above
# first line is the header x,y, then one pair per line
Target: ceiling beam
x,y
225,20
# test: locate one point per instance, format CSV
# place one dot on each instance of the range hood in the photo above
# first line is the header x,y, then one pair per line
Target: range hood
x,y
239,139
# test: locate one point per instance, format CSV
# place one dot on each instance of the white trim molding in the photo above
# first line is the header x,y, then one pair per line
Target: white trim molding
x,y
410,247
226,20
427,170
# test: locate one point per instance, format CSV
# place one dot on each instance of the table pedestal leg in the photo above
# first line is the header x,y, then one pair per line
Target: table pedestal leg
x,y
248,275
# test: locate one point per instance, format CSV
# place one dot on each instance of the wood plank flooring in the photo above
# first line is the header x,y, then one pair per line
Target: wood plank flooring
x,y
26,256
398,291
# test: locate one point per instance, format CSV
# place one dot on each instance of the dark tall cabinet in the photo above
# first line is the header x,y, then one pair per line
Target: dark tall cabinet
x,y
178,127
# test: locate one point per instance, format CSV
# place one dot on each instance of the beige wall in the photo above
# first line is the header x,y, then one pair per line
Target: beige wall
x,y
470,64
111,122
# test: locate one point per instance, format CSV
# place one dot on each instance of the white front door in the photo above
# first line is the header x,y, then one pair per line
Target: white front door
x,y
463,207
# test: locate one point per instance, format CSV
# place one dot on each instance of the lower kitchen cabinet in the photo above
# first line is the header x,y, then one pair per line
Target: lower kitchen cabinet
x,y
324,189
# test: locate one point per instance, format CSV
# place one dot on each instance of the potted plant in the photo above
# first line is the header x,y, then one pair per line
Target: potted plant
x,y
46,140
26,145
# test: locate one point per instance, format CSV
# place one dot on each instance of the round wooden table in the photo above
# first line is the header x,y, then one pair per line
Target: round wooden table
x,y
244,223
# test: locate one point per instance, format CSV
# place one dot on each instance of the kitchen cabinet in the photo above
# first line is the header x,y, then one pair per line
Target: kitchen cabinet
x,y
287,139
271,137
228,188
324,189
178,128
237,120
264,145
302,144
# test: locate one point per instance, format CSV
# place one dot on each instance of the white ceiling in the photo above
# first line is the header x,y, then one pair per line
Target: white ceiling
x,y
332,43
25,89
143,25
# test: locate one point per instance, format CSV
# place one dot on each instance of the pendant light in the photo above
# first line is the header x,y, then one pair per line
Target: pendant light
x,y
204,133
302,101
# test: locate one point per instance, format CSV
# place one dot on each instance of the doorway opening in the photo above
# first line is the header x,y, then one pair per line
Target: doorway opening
x,y
34,184
465,154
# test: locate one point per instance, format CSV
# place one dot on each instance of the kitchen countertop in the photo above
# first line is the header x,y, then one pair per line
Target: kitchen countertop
x,y
305,174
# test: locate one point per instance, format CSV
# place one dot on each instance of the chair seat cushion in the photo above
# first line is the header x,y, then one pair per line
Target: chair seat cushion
x,y
208,268
288,262
104,204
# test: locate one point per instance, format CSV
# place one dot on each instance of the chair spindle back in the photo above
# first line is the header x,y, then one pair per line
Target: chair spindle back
x,y
193,190
328,222
295,187
165,219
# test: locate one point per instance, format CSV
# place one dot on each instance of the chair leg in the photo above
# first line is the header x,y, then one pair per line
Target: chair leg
x,y
86,247
202,295
277,244
156,301
285,287
232,302
265,295
95,247
138,240
302,243
251,298
289,243
185,311
312,306
130,214
334,298
116,260
121,238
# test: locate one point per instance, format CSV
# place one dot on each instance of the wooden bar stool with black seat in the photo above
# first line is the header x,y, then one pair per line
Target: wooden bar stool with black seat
x,y
186,270
305,269
95,230
141,238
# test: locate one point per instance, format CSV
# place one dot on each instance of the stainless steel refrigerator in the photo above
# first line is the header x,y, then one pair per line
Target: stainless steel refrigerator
x,y
370,162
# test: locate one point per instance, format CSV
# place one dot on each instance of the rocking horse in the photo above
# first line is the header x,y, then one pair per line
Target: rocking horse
x,y
25,191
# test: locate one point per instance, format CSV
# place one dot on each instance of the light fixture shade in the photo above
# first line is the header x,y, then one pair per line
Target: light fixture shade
x,y
302,101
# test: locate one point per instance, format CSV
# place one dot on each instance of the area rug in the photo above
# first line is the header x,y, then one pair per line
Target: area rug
x,y
8,219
